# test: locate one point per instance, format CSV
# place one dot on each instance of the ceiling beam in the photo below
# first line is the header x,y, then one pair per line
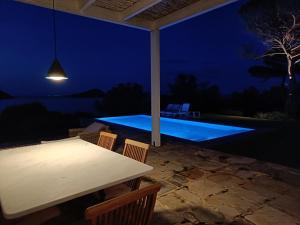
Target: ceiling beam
x,y
146,24
191,11
116,18
65,6
92,11
128,18
138,8
84,4
101,14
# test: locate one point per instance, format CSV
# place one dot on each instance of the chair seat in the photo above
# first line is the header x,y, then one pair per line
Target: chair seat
x,y
37,218
115,191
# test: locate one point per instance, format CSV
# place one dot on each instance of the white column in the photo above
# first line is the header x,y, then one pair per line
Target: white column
x,y
155,87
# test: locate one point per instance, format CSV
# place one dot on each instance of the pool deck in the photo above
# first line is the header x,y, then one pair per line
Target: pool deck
x,y
201,186
207,187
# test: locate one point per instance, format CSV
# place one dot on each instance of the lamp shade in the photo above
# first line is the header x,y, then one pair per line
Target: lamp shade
x,y
56,72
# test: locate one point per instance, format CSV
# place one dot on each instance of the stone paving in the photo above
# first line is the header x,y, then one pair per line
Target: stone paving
x,y
206,187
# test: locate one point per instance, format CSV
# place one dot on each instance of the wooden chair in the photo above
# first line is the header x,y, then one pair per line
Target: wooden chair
x,y
133,208
107,140
137,151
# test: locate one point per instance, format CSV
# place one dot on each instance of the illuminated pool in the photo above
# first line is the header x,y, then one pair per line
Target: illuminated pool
x,y
190,130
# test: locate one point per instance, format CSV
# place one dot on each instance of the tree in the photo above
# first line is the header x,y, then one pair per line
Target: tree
x,y
184,89
273,67
277,24
248,101
125,99
209,98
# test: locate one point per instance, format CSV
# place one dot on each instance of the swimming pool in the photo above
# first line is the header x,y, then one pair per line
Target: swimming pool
x,y
190,130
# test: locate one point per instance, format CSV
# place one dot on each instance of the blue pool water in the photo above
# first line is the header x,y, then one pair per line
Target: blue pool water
x,y
190,130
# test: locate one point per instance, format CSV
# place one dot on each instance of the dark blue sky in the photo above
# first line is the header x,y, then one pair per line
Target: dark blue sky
x,y
97,54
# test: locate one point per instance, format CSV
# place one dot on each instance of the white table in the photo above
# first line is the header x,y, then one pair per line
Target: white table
x,y
36,177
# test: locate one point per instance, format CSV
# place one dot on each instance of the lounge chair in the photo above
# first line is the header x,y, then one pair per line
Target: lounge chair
x,y
177,111
91,133
184,110
170,110
166,111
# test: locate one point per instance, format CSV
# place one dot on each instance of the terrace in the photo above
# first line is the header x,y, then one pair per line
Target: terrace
x,y
199,185
204,186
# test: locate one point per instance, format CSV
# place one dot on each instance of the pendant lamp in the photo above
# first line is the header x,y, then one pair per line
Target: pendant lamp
x,y
55,72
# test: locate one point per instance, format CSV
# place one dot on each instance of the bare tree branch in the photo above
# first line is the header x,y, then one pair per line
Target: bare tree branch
x,y
295,56
270,54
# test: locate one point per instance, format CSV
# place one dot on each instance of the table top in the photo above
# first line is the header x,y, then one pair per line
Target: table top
x,y
36,177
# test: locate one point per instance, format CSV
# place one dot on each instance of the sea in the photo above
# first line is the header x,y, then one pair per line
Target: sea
x,y
57,104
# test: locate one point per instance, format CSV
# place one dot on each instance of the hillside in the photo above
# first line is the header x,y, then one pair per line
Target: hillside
x,y
4,95
92,93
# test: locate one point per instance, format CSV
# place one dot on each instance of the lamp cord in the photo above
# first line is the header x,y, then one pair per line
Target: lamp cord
x,y
54,27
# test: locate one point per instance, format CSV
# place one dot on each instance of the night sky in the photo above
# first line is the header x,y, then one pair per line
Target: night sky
x,y
100,55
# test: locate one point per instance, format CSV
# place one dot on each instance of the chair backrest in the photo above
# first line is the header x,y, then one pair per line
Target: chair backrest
x,y
107,140
176,108
133,208
185,107
136,150
169,107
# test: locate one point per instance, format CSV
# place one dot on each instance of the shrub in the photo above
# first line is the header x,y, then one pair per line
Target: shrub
x,y
125,99
30,122
272,116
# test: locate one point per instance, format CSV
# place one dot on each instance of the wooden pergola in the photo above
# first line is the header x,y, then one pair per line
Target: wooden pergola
x,y
149,15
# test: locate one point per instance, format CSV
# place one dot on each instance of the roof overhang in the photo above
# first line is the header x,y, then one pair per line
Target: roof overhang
x,y
141,14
